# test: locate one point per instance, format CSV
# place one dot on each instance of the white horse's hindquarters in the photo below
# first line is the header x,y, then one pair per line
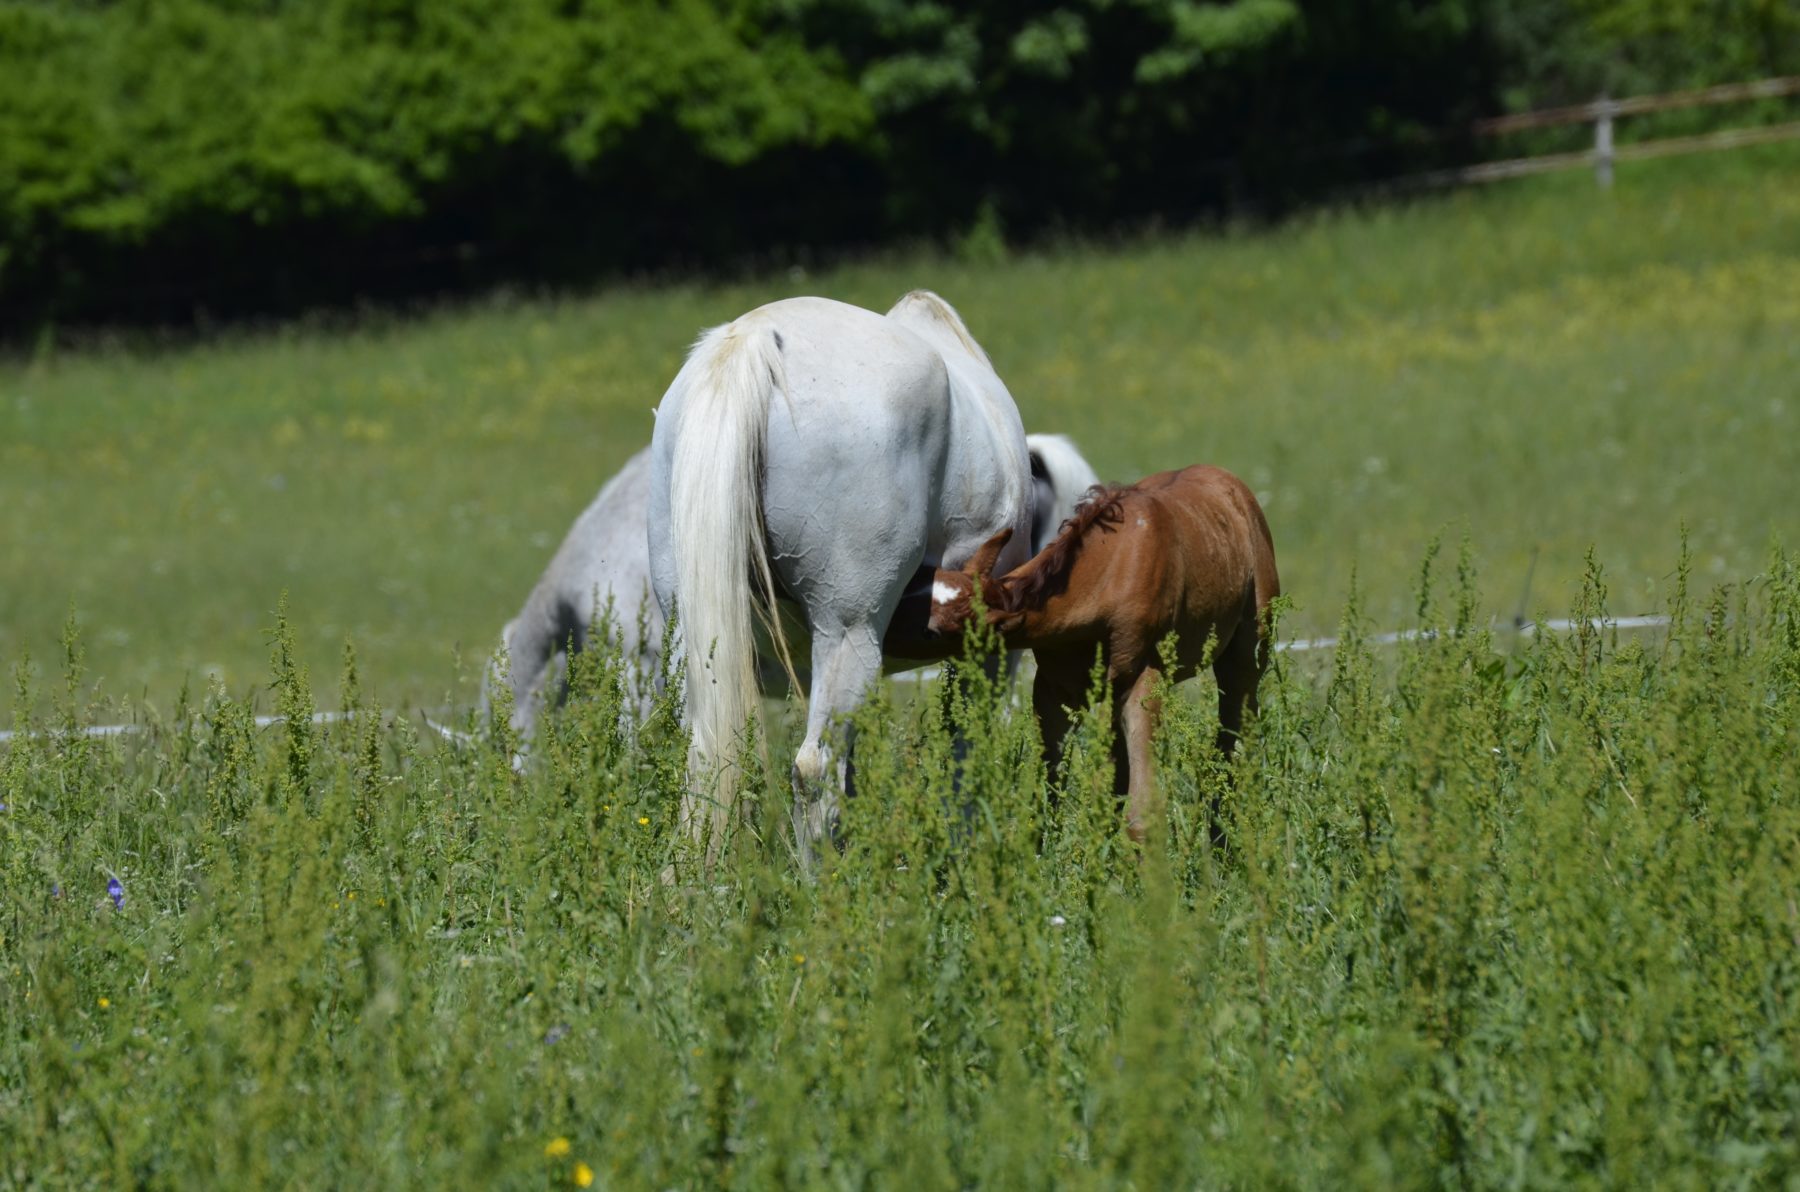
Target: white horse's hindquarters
x,y
869,450
986,483
987,472
854,469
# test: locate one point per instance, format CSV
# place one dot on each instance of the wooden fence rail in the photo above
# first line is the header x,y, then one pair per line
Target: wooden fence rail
x,y
1602,112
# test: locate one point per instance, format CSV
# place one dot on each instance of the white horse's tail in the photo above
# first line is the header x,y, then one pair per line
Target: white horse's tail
x,y
715,499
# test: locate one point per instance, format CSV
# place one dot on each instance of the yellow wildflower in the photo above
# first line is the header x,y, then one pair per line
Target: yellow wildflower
x,y
105,1002
584,1175
556,1148
643,819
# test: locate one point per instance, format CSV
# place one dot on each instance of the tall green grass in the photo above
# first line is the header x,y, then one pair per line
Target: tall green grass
x,y
1486,918
1550,366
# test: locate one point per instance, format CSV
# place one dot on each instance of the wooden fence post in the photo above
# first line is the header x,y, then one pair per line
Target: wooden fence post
x,y
1603,141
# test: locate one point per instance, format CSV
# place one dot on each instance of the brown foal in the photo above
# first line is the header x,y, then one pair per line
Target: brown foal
x,y
1184,552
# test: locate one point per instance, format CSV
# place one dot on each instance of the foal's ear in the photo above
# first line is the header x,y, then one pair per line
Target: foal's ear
x,y
981,566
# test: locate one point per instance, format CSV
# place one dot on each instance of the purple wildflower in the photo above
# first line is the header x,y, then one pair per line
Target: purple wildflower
x,y
557,1033
115,890
56,889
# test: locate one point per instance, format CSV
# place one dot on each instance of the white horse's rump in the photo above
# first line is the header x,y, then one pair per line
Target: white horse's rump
x,y
604,557
816,452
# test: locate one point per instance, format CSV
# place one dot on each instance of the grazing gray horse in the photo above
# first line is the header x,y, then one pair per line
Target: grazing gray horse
x,y
813,463
606,556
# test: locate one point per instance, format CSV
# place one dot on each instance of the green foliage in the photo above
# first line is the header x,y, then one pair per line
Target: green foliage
x,y
153,154
1486,917
249,157
1563,52
1203,32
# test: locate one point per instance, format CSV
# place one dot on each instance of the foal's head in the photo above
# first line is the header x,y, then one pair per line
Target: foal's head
x,y
1010,597
953,592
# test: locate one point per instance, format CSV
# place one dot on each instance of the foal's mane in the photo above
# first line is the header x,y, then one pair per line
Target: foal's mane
x,y
1099,507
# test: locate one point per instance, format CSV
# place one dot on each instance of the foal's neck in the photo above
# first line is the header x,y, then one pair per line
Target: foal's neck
x,y
1059,614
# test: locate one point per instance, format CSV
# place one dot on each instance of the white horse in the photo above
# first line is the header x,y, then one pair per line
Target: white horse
x,y
605,557
1060,478
815,455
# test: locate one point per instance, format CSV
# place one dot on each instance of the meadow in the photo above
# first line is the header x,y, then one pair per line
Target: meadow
x,y
1483,919
1493,910
1548,368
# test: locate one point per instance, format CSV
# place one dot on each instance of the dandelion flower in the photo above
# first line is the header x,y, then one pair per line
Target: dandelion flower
x,y
643,819
799,959
556,1148
583,1175
105,1003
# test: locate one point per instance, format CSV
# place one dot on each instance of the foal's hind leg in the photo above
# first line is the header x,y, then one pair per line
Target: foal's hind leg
x,y
1237,668
846,659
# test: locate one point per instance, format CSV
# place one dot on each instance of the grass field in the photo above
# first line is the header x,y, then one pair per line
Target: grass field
x,y
1547,368
1494,911
1483,922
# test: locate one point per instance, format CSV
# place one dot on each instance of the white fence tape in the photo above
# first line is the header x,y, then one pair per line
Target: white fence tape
x,y
926,674
126,730
1530,627
1303,644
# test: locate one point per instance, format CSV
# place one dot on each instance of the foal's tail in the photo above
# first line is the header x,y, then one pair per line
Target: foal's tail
x,y
723,579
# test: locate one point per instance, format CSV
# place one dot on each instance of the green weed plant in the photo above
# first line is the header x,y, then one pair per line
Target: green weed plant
x,y
1489,912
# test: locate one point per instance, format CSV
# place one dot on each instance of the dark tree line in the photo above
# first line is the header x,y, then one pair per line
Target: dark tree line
x,y
159,157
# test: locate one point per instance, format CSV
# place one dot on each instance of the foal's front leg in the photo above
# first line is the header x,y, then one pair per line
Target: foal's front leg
x,y
1061,684
1139,712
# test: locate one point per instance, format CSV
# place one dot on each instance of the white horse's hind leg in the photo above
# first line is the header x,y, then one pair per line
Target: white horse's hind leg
x,y
845,661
